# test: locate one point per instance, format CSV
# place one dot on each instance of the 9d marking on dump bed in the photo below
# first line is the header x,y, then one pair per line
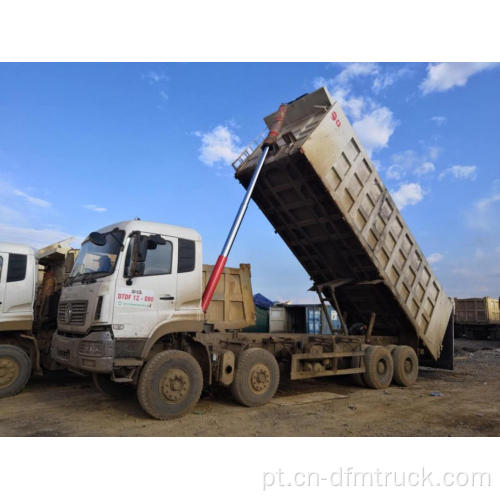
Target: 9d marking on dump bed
x,y
335,119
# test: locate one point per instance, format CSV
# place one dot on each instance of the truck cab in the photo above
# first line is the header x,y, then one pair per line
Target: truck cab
x,y
17,286
132,282
30,283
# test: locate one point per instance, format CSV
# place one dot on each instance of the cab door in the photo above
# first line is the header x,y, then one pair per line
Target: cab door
x,y
18,286
146,300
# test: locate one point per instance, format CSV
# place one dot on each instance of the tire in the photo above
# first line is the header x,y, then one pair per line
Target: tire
x,y
379,367
391,348
357,378
405,365
170,384
256,378
15,370
116,390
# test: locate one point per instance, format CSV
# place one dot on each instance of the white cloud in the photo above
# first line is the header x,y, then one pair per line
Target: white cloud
x,y
219,146
444,76
37,238
409,163
462,172
155,77
384,80
425,168
485,203
434,258
375,128
484,213
31,199
95,208
439,120
408,194
353,70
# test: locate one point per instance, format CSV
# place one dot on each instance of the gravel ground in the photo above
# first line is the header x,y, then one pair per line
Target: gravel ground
x,y
465,402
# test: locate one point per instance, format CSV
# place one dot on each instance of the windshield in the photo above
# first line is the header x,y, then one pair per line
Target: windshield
x,y
94,259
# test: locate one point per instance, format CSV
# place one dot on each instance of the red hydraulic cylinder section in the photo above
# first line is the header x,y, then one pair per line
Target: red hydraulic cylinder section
x,y
274,131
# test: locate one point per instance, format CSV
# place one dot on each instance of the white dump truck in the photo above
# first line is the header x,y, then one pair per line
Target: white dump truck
x,y
30,286
136,307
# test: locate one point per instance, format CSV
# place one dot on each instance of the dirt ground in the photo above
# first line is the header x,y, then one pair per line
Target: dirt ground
x,y
465,402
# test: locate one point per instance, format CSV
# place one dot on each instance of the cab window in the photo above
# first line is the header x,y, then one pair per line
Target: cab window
x,y
158,259
16,269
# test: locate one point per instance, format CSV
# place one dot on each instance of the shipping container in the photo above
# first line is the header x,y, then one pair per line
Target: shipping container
x,y
261,321
325,198
303,318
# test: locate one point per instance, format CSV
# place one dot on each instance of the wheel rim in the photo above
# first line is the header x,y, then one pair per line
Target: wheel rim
x,y
259,378
382,367
175,385
408,366
9,371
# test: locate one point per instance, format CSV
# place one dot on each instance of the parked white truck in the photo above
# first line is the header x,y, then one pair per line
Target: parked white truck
x,y
135,309
30,285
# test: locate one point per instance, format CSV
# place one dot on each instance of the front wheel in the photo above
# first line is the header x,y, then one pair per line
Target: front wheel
x,y
170,384
15,370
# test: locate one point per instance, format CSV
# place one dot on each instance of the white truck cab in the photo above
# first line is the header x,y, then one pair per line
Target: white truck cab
x,y
132,282
30,282
17,286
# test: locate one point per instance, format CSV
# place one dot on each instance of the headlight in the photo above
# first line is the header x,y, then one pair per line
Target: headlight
x,y
91,348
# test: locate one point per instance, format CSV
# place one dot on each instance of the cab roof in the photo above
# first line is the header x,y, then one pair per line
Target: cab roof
x,y
155,228
16,248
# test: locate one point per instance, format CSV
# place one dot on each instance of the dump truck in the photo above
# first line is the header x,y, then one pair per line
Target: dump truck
x,y
135,310
30,286
477,318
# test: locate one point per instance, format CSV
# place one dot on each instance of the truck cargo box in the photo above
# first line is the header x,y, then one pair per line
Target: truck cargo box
x,y
324,197
485,310
232,306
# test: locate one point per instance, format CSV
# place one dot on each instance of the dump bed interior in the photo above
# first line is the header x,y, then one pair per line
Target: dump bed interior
x,y
324,197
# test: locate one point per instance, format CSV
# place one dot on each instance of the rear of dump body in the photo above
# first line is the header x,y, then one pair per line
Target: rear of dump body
x,y
480,311
324,197
232,306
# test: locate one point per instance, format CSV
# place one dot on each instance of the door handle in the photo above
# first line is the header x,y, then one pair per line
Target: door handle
x,y
166,297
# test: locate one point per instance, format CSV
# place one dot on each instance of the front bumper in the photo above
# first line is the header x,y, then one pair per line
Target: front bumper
x,y
94,352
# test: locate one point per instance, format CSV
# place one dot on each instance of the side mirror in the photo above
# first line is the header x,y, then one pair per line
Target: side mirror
x,y
138,257
97,239
157,239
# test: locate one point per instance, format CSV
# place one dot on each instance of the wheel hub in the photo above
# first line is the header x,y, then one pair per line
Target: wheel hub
x,y
175,385
381,367
9,371
408,365
260,378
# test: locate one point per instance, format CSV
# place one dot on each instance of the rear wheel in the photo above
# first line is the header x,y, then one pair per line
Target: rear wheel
x,y
114,389
379,367
15,370
170,384
256,378
405,365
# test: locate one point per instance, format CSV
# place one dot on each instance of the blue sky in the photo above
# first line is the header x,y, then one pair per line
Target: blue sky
x,y
85,145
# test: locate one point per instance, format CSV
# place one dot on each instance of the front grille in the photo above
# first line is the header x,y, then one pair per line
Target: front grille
x,y
72,313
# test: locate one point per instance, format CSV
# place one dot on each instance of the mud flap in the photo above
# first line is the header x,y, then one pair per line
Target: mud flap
x,y
445,360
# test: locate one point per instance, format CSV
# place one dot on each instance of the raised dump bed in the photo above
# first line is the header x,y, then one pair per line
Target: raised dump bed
x,y
324,197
